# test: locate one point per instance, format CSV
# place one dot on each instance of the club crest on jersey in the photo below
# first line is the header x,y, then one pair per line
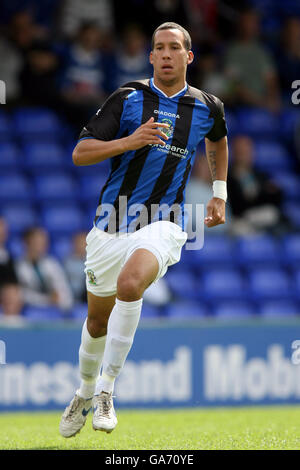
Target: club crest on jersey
x,y
91,276
168,131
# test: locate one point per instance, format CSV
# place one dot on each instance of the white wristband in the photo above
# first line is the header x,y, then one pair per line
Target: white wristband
x,y
220,189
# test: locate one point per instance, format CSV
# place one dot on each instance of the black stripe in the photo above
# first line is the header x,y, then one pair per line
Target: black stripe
x,y
116,161
179,195
180,139
136,164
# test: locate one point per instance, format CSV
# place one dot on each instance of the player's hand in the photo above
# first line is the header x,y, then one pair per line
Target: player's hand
x,y
215,212
148,133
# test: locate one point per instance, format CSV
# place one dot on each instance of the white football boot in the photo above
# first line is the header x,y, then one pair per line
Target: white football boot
x,y
104,418
74,416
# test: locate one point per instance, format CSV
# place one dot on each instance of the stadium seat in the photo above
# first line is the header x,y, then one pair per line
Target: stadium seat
x,y
289,122
186,309
14,187
272,156
150,311
257,123
217,251
41,314
182,283
289,184
292,210
40,157
61,247
6,127
270,284
279,308
290,250
91,186
79,312
62,219
19,217
222,284
297,282
257,250
233,309
9,156
37,124
56,187
15,246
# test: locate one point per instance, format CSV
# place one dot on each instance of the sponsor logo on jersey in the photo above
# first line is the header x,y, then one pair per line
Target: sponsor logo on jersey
x,y
166,113
168,131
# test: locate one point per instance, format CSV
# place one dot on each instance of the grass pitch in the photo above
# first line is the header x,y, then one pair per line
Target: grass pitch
x,y
230,428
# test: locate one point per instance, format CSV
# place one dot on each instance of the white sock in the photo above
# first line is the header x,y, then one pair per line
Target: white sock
x,y
90,357
121,328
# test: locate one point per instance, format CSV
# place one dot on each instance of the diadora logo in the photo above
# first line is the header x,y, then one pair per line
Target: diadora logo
x,y
165,113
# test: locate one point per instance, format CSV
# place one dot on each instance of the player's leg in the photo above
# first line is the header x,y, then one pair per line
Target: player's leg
x,y
91,351
138,273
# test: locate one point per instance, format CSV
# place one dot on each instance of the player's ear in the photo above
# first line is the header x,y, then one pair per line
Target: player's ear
x,y
190,57
151,58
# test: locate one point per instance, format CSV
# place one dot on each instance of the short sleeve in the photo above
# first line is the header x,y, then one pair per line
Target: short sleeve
x,y
105,124
219,128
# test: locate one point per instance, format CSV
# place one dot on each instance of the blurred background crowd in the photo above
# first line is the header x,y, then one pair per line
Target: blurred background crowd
x,y
59,60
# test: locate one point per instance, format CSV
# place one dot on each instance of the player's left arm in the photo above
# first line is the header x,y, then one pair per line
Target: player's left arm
x,y
217,157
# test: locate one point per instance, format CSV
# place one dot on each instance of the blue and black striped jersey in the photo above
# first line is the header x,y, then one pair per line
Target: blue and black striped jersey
x,y
148,184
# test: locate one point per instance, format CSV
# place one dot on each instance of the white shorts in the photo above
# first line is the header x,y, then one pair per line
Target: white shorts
x,y
107,254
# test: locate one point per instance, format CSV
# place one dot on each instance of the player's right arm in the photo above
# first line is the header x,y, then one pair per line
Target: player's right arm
x,y
90,151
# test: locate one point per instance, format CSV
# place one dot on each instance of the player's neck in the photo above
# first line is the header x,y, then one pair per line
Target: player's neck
x,y
169,89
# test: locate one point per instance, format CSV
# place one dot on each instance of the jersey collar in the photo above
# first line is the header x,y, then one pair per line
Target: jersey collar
x,y
181,92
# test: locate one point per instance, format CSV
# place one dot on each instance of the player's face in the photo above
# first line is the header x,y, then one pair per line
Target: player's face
x,y
169,56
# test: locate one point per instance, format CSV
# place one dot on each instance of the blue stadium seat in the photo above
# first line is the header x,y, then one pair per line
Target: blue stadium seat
x,y
234,309
289,184
297,283
257,122
9,156
272,156
182,283
19,217
217,251
62,219
279,308
232,123
270,284
61,247
15,246
14,187
150,311
79,312
292,210
257,250
290,250
56,187
222,284
91,186
42,314
37,124
6,127
41,156
102,169
289,121
186,309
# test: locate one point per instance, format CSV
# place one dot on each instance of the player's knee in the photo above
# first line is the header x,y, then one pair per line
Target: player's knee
x,y
130,288
97,326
